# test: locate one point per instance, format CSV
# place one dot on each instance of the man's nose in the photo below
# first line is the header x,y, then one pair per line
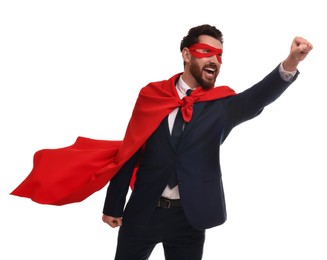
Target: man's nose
x,y
216,59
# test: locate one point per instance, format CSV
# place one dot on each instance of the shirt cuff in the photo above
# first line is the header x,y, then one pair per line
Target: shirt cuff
x,y
286,75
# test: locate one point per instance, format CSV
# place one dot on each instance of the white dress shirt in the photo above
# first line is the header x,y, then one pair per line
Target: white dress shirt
x,y
181,87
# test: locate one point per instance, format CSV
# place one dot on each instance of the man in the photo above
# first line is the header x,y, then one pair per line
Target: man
x,y
178,191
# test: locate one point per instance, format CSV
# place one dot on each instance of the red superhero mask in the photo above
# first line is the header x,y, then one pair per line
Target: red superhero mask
x,y
207,51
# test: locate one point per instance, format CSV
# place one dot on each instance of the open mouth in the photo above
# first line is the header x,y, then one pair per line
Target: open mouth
x,y
209,72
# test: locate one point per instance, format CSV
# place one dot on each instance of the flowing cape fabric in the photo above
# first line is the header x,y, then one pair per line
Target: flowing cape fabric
x,y
71,174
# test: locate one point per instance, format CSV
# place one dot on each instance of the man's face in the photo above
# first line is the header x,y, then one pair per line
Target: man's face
x,y
205,61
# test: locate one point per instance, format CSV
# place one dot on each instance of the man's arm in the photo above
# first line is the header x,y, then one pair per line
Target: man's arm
x,y
252,101
117,191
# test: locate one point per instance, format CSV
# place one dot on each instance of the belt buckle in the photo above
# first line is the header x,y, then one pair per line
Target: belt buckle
x,y
164,203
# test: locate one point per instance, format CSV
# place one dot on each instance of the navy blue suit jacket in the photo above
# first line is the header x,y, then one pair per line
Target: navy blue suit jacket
x,y
196,159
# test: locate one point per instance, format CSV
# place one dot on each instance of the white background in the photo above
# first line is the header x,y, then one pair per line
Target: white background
x,y
74,68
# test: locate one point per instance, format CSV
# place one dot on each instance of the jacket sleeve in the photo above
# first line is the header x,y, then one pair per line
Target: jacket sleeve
x,y
118,188
251,102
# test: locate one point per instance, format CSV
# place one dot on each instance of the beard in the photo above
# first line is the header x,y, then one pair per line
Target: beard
x,y
197,73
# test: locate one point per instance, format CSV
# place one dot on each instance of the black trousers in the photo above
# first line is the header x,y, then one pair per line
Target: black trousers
x,y
168,226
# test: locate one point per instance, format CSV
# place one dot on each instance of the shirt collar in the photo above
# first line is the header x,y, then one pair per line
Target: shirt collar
x,y
182,87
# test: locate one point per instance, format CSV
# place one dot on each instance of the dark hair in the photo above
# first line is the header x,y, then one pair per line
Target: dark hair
x,y
193,35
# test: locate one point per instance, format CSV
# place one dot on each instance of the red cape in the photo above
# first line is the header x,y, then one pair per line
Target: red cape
x,y
71,174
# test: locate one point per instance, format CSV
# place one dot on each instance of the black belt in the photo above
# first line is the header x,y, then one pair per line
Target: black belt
x,y
168,203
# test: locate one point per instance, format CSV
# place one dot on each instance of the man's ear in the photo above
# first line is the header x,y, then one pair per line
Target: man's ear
x,y
186,54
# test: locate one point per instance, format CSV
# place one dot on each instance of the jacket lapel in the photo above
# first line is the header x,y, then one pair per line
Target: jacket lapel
x,y
197,108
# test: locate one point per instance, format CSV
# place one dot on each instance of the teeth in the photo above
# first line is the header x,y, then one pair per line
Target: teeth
x,y
210,69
